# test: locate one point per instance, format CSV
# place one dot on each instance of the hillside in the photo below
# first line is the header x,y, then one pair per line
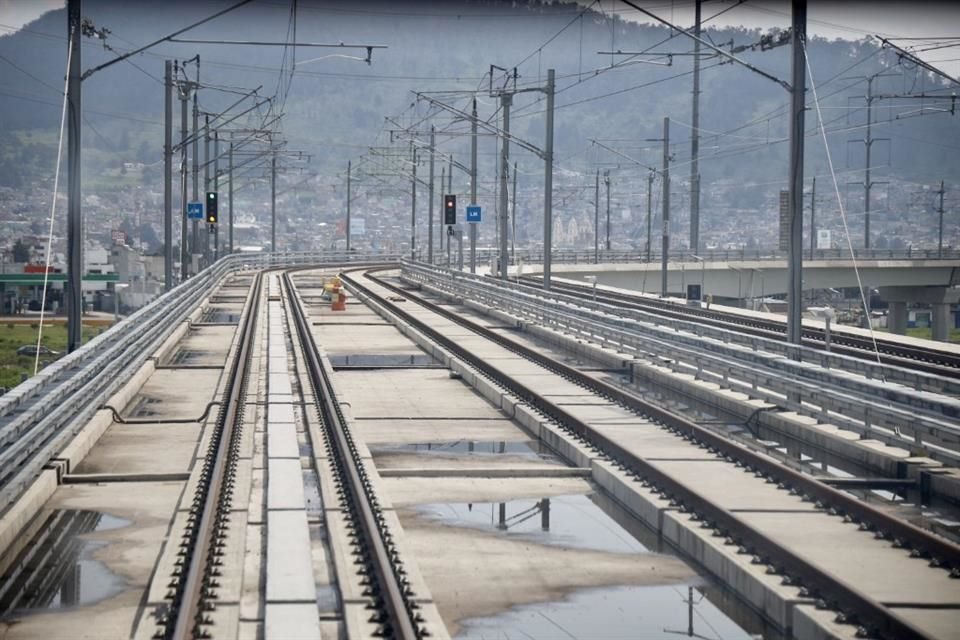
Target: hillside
x,y
336,107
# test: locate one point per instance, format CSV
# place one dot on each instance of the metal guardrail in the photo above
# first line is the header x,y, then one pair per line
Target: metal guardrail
x,y
917,380
855,403
926,359
38,416
576,256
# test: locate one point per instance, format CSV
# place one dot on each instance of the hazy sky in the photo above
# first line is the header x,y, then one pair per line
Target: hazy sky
x,y
16,13
849,19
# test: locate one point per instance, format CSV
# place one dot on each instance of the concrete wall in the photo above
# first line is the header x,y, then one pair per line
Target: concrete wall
x,y
756,278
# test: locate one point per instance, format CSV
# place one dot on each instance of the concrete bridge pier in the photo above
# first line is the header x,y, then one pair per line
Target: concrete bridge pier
x,y
939,299
897,317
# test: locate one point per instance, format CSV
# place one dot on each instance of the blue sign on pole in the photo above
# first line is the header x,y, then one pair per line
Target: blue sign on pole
x,y
195,211
473,213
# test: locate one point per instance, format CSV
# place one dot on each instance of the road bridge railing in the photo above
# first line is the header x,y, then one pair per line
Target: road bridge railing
x,y
896,415
39,416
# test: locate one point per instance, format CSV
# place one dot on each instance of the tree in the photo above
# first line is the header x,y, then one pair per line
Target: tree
x,y
21,252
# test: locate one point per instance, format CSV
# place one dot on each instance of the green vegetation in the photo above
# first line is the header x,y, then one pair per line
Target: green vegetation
x,y
14,336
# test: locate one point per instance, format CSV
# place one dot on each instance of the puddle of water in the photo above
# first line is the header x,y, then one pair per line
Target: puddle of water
x,y
311,492
328,599
613,613
595,522
523,448
376,360
567,521
56,570
219,315
328,595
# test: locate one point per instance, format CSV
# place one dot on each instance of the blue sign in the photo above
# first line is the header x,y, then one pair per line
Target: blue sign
x,y
473,213
195,211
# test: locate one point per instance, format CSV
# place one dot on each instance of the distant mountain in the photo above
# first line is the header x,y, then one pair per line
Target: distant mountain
x,y
335,106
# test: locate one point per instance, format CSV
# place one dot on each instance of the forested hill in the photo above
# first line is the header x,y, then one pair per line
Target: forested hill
x,y
336,106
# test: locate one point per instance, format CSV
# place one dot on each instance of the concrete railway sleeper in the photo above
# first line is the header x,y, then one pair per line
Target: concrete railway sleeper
x,y
853,605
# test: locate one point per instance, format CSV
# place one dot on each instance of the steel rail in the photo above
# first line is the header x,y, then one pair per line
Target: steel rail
x,y
402,621
915,357
213,489
851,601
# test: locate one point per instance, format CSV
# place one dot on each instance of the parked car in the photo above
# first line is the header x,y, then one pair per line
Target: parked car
x,y
31,350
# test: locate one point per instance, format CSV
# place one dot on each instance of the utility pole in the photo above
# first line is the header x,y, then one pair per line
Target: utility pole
x,y
185,256
695,138
506,99
430,197
473,185
443,175
940,227
449,190
606,181
349,168
273,202
649,213
868,145
74,214
813,216
596,219
413,206
231,196
666,208
797,106
167,175
195,227
513,216
216,187
548,182
205,241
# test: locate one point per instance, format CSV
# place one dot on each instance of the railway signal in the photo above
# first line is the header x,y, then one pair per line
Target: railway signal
x,y
449,209
212,217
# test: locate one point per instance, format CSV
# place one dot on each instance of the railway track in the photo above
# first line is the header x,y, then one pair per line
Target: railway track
x,y
195,582
849,598
397,615
274,321
928,360
193,587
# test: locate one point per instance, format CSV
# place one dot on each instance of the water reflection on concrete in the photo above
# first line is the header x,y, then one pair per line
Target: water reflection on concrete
x,y
594,522
373,360
56,568
612,613
568,521
524,448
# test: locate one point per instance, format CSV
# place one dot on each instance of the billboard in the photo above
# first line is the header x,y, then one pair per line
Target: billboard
x,y
358,226
823,239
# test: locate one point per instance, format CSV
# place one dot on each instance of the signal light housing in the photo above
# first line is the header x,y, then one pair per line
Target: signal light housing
x,y
212,213
450,209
